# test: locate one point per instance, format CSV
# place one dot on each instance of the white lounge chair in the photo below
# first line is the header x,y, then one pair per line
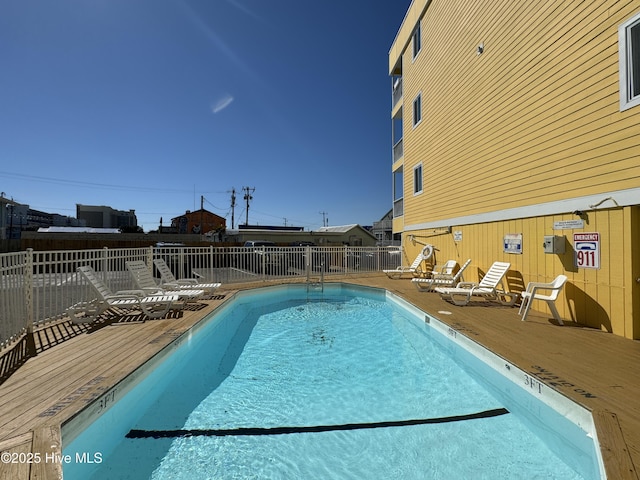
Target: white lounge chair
x,y
153,306
489,288
144,280
414,268
531,293
446,269
441,279
168,280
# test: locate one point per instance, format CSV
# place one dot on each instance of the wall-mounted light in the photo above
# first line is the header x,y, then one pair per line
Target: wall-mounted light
x,y
582,215
480,49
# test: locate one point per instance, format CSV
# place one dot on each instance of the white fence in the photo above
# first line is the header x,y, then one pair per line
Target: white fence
x,y
38,287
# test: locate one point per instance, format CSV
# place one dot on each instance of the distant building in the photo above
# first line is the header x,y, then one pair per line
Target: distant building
x,y
199,222
353,235
70,229
16,218
105,217
12,216
383,231
4,214
64,221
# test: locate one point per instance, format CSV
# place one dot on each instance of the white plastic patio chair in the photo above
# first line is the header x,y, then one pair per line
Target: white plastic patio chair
x,y
531,293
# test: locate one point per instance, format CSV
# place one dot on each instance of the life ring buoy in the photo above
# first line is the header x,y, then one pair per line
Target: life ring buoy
x,y
427,252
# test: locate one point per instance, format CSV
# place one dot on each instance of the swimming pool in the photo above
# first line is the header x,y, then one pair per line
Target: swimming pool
x,y
344,383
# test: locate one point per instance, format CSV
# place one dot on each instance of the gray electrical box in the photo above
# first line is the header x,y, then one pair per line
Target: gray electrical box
x,y
554,244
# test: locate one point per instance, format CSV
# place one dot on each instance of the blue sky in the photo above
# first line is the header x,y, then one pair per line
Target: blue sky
x,y
151,104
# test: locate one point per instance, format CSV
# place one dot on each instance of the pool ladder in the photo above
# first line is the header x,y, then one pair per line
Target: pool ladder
x,y
315,283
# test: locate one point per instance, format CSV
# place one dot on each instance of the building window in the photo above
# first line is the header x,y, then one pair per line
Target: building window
x,y
629,52
417,110
417,41
417,179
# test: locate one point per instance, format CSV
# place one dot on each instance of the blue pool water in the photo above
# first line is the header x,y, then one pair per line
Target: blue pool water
x,y
280,385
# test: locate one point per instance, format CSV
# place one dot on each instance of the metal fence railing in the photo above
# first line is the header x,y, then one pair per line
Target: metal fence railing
x,y
39,286
13,308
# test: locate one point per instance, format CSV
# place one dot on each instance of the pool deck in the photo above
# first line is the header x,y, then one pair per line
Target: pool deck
x,y
79,365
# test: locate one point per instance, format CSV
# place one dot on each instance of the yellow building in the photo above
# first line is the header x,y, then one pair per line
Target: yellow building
x,y
516,123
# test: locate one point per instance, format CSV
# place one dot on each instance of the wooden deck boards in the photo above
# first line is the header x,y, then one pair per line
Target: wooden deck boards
x,y
78,364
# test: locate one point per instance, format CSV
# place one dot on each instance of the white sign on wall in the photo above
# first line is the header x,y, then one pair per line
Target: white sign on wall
x,y
587,247
568,224
513,243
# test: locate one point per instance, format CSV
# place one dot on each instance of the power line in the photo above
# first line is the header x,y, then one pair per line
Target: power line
x,y
217,208
79,183
299,222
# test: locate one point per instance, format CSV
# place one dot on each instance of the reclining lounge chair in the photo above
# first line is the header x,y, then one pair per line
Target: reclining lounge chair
x,y
413,269
168,280
153,306
489,288
144,280
441,279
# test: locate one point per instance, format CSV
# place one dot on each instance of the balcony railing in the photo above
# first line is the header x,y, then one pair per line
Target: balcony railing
x,y
382,225
398,208
397,92
398,151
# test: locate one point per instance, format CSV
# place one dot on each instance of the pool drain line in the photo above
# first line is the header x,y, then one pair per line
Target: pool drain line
x,y
310,429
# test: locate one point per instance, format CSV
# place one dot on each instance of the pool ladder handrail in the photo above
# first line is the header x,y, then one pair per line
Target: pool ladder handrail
x,y
316,284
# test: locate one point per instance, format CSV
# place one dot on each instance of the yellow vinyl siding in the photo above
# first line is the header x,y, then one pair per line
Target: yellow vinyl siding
x,y
630,259
532,121
406,30
398,226
535,116
593,297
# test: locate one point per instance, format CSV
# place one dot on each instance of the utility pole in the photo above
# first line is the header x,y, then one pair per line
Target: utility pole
x,y
233,206
202,232
11,223
325,219
248,198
